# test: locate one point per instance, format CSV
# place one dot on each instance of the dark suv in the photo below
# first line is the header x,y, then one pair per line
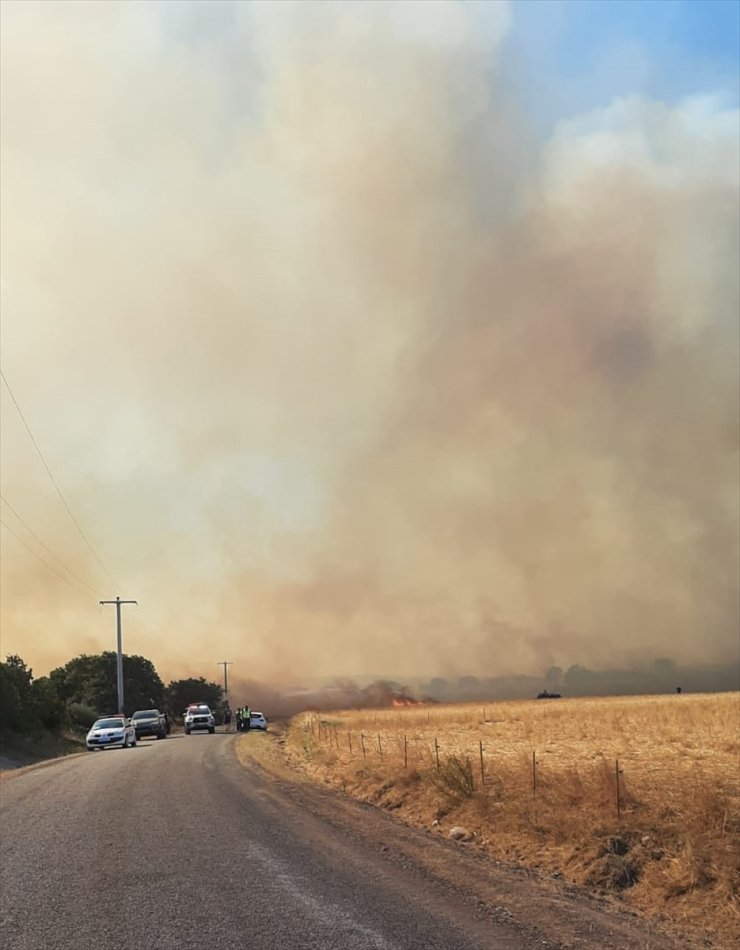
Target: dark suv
x,y
149,722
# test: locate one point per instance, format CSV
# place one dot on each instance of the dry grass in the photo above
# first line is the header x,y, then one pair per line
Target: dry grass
x,y
672,852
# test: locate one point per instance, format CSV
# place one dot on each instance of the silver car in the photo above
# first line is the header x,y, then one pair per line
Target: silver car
x,y
110,733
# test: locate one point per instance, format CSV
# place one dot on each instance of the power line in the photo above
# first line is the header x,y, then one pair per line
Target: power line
x,y
54,483
150,633
77,526
47,548
45,563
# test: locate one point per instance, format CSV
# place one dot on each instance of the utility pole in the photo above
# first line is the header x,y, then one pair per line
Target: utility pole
x,y
225,663
119,653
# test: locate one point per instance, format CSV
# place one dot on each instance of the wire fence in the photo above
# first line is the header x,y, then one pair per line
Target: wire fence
x,y
471,766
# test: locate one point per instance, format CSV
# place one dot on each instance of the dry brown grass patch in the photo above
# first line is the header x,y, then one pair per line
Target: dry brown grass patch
x,y
672,851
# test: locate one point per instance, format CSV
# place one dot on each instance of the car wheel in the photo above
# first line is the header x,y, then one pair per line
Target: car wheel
x,y
133,744
212,730
187,732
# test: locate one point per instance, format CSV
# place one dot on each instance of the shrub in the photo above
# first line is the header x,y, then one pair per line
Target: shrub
x,y
455,779
81,715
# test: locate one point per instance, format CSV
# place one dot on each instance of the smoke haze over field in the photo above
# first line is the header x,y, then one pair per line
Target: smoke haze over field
x,y
342,366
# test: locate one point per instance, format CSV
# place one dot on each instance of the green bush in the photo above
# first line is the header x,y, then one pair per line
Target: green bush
x,y
81,715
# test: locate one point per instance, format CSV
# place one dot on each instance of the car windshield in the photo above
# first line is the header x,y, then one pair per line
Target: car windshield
x,y
146,714
199,710
109,724
256,715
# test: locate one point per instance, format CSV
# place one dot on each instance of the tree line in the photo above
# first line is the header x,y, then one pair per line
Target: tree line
x,y
76,694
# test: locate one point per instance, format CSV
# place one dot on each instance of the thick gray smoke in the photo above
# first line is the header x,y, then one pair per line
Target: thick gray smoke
x,y
343,368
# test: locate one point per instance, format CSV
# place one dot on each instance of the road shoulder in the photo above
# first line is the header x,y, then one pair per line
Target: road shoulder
x,y
551,912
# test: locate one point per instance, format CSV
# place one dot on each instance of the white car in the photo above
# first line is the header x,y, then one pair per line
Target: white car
x,y
199,716
257,721
111,732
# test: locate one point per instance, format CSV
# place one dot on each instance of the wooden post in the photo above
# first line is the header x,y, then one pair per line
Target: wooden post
x,y
482,767
436,752
362,743
349,740
380,747
405,752
616,774
534,775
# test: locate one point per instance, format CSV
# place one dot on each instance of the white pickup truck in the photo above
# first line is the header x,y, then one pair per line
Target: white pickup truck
x,y
199,716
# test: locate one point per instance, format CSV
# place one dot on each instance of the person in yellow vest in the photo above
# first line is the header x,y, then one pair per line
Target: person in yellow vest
x,y
246,717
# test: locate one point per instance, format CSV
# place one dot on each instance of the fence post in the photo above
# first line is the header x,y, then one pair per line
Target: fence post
x,y
534,775
436,752
362,743
349,740
405,752
380,747
482,768
616,774
336,736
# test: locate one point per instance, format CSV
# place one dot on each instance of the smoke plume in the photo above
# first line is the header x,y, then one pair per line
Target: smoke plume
x,y
345,368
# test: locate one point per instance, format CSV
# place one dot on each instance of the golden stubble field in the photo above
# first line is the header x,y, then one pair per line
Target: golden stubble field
x,y
659,831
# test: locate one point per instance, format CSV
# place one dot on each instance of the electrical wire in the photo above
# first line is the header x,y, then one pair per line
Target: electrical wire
x,y
76,523
48,550
36,554
55,484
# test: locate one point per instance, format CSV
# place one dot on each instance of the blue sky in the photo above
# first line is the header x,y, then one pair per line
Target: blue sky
x,y
574,55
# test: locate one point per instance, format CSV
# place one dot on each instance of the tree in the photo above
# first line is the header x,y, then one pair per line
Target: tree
x,y
438,687
180,693
91,680
468,682
13,686
554,677
50,708
579,681
27,704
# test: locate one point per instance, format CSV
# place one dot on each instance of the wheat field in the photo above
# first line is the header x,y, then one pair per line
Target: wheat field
x,y
637,797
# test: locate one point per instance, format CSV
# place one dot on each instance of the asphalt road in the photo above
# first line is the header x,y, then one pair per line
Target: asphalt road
x,y
174,845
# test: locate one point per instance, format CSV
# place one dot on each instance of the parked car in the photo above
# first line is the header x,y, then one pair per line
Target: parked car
x,y
257,721
199,716
109,732
149,722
